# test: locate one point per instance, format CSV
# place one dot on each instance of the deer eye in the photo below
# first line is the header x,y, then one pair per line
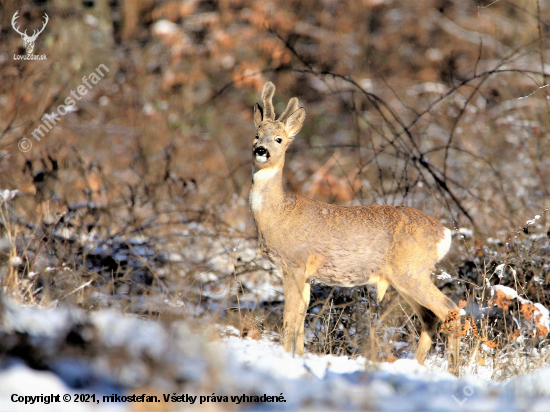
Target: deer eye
x,y
278,140
257,137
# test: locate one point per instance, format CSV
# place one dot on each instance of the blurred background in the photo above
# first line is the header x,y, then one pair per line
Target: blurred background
x,y
137,198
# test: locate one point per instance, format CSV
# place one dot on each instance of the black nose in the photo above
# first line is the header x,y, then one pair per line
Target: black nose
x,y
260,151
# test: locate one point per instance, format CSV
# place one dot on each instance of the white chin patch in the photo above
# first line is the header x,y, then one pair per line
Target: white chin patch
x,y
261,159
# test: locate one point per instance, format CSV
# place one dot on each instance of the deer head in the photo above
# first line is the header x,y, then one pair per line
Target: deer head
x,y
29,40
274,136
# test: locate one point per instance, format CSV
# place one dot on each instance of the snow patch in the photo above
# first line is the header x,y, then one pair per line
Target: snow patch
x,y
509,292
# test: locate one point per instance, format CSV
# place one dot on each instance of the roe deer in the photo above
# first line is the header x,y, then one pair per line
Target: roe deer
x,y
341,245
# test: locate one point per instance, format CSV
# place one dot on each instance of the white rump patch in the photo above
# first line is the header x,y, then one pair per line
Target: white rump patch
x,y
444,246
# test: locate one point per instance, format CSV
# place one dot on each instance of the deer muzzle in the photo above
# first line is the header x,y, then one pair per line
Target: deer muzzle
x,y
261,154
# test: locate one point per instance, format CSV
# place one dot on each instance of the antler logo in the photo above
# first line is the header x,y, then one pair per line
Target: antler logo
x,y
29,40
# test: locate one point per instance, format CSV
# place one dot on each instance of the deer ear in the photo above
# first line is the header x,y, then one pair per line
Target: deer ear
x,y
258,115
291,107
267,100
295,122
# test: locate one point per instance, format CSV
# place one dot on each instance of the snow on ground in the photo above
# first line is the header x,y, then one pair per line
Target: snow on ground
x,y
127,355
339,383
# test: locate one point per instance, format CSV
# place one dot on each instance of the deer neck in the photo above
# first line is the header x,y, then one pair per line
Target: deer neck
x,y
267,189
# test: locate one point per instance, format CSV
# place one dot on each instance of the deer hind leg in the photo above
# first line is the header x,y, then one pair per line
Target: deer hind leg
x,y
429,322
425,293
296,291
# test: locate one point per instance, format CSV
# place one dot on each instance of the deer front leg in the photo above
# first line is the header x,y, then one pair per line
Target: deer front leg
x,y
296,291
